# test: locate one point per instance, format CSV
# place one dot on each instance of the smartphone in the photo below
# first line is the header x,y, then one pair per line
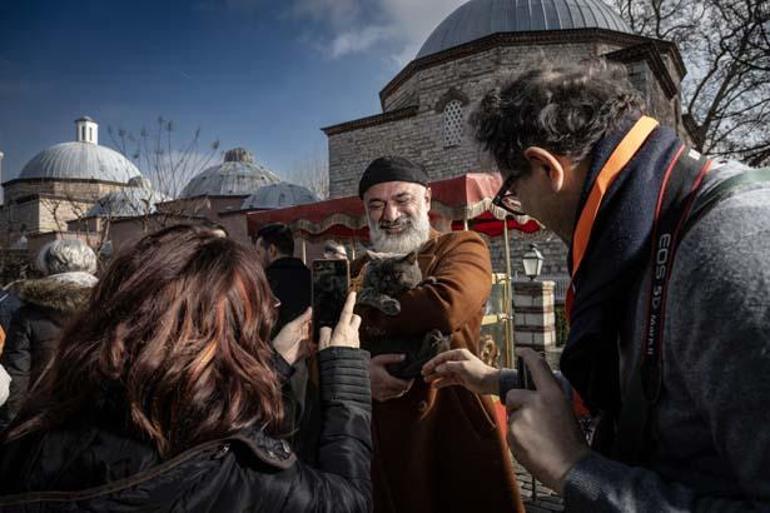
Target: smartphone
x,y
331,281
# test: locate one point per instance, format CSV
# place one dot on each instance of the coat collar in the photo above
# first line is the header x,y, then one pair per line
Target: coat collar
x,y
67,293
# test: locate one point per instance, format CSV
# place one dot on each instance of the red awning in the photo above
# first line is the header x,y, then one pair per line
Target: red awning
x,y
466,197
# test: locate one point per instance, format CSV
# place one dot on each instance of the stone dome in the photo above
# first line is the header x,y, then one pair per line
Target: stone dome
x,y
137,199
238,175
82,161
279,195
480,18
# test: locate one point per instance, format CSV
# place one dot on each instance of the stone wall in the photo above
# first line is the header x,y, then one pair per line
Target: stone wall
x,y
33,206
54,213
69,189
420,137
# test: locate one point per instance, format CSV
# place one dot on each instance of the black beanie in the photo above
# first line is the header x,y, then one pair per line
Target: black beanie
x,y
391,169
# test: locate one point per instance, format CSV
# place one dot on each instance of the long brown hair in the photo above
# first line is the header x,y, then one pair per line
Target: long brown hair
x,y
176,335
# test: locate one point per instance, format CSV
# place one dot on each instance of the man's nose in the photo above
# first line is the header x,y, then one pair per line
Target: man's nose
x,y
390,212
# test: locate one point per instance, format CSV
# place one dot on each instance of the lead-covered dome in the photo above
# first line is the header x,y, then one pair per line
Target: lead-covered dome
x,y
82,161
279,195
137,199
480,18
238,175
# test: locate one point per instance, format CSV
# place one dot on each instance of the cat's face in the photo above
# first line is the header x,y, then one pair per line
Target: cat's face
x,y
388,271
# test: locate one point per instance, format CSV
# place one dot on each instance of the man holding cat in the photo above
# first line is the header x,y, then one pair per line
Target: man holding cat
x,y
434,450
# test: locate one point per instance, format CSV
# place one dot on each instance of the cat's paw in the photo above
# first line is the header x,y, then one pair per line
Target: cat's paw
x,y
390,306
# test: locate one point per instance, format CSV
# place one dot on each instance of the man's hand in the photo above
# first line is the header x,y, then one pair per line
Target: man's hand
x,y
293,341
543,433
461,367
384,385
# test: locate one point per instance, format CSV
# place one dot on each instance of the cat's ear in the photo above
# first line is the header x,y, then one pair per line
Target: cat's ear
x,y
411,257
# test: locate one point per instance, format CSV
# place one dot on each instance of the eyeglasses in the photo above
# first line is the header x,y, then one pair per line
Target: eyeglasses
x,y
507,200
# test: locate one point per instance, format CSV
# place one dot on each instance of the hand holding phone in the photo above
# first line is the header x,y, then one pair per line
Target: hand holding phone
x,y
345,333
293,341
331,281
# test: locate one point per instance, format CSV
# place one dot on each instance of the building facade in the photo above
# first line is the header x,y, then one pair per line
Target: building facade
x,y
475,49
60,184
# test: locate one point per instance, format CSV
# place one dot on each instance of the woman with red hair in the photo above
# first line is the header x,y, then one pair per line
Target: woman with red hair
x,y
165,394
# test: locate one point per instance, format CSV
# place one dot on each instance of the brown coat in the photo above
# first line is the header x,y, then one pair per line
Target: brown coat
x,y
441,451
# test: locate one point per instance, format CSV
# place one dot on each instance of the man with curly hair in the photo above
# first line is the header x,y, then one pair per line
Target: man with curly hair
x,y
668,306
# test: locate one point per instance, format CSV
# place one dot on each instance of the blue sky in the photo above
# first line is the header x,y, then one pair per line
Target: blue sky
x,y
261,74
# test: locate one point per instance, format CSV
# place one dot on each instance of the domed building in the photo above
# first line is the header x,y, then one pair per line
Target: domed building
x,y
279,195
218,193
476,48
137,199
63,182
237,175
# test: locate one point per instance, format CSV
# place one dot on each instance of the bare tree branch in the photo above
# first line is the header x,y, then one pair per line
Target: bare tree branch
x,y
726,45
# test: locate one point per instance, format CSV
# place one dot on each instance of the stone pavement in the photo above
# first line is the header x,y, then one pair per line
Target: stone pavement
x,y
537,498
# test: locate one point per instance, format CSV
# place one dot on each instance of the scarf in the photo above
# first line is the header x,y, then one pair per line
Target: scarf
x,y
616,254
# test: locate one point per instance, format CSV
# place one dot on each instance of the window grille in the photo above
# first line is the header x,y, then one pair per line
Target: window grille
x,y
453,123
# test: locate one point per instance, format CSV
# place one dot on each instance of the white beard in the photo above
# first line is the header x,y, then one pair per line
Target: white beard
x,y
416,233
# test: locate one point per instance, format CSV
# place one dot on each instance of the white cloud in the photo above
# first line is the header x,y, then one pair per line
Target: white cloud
x,y
357,41
355,26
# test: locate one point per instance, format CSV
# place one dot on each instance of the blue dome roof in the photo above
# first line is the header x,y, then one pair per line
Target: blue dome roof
x,y
279,195
238,175
480,18
137,199
80,160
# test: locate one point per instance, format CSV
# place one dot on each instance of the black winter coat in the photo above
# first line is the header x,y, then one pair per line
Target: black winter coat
x,y
31,340
88,468
9,303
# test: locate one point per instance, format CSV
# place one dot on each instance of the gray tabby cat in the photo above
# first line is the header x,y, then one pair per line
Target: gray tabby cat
x,y
386,277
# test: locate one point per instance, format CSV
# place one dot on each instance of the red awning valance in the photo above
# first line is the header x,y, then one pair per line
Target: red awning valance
x,y
463,198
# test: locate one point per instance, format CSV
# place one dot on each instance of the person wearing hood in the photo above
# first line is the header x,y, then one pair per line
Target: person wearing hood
x,y
68,267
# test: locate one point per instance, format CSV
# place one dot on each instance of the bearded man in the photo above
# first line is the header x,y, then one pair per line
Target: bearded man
x,y
434,451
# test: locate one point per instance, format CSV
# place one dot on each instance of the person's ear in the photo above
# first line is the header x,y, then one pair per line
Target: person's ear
x,y
428,194
540,159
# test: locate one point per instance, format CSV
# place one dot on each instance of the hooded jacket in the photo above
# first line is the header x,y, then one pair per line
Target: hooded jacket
x,y
35,327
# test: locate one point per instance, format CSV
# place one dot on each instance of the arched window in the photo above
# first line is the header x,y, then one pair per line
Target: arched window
x,y
453,123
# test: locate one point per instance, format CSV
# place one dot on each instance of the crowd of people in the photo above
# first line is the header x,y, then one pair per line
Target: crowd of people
x,y
184,376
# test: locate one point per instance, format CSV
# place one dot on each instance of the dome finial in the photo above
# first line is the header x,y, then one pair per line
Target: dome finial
x,y
86,130
239,155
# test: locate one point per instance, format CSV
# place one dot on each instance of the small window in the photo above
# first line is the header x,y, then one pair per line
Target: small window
x,y
453,123
90,133
83,133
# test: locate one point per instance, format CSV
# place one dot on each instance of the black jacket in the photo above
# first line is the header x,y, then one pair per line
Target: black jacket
x,y
291,283
34,330
89,468
9,303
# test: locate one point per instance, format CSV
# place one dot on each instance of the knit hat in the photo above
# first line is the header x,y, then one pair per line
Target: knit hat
x,y
391,169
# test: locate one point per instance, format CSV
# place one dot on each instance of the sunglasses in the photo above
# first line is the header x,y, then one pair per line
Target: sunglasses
x,y
507,200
